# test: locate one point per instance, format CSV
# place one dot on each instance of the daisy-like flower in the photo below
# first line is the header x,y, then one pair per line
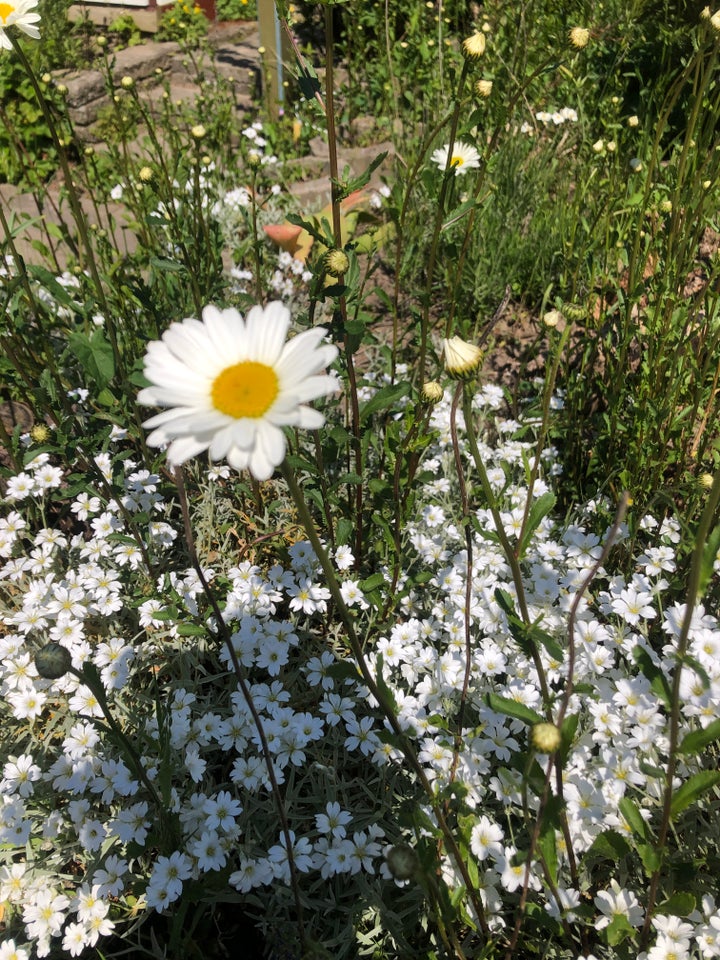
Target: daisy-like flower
x,y
463,157
18,13
232,384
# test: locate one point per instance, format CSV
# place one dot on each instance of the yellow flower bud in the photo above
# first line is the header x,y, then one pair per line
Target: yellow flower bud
x,y
462,359
40,433
546,737
474,46
432,392
145,174
127,82
336,263
579,37
706,480
553,318
484,88
633,121
198,131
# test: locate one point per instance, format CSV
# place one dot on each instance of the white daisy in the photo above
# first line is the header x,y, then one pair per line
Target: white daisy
x,y
18,13
233,384
463,158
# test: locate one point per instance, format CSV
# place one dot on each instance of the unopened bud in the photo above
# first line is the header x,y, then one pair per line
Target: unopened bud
x,y
53,661
546,737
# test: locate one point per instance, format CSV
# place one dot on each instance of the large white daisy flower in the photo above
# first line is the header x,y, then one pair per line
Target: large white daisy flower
x,y
18,13
463,158
233,384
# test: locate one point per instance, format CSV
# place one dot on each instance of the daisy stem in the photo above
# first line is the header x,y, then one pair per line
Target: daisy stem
x,y
449,174
379,690
336,198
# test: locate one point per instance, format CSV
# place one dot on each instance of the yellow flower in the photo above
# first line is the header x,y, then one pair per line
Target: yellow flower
x,y
462,359
579,37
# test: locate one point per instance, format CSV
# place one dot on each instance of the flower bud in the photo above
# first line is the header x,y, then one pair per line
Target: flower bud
x,y
198,131
336,263
127,82
53,661
462,359
484,88
579,37
636,165
574,311
553,318
145,174
402,862
633,121
706,480
474,46
39,433
546,737
432,392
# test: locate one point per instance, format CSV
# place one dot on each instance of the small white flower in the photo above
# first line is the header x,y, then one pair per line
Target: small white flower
x,y
464,157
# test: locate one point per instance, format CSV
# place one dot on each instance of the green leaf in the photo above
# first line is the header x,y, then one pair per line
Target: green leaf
x,y
512,708
383,688
538,511
371,582
95,356
548,848
191,630
693,788
618,930
383,399
609,845
696,741
651,858
710,552
658,680
630,810
680,904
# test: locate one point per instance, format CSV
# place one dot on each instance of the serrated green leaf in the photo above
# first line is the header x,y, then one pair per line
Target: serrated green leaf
x,y
692,789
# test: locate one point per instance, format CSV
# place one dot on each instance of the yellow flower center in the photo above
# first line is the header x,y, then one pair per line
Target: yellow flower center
x,y
456,160
5,10
247,389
